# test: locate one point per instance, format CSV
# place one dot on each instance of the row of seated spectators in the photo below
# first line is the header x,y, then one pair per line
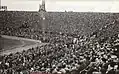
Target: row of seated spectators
x,y
71,22
66,55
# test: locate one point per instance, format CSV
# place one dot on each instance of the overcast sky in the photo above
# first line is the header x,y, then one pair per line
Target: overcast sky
x,y
62,5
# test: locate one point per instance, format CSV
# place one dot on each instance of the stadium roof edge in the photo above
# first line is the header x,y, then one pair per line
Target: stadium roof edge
x,y
58,11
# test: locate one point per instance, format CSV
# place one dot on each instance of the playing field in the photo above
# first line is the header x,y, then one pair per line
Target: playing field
x,y
10,44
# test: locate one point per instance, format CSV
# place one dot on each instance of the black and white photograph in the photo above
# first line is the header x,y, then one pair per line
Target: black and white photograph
x,y
59,36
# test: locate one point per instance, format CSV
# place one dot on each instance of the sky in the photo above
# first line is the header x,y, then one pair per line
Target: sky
x,y
62,5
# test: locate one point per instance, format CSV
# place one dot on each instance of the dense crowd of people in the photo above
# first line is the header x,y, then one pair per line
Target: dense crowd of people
x,y
66,22
65,53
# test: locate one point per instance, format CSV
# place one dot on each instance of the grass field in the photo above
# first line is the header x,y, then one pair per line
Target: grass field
x,y
11,44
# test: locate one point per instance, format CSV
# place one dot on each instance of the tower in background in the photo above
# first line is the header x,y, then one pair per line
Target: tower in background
x,y
42,6
42,13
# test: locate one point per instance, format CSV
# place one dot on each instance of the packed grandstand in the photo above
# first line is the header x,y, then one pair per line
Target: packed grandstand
x,y
78,43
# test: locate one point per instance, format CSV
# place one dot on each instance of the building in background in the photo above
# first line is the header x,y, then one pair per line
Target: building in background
x,y
2,8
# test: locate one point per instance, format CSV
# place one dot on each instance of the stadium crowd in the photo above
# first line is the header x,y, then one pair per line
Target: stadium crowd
x,y
65,53
75,22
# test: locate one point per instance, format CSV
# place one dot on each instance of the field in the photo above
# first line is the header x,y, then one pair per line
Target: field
x,y
10,44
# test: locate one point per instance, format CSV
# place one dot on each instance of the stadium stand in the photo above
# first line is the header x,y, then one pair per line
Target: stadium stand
x,y
81,23
73,45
